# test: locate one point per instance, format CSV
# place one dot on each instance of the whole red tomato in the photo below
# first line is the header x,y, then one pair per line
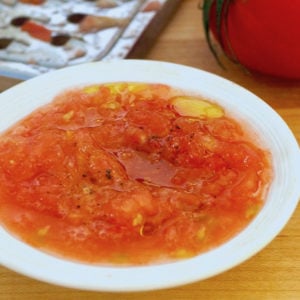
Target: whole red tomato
x,y
262,35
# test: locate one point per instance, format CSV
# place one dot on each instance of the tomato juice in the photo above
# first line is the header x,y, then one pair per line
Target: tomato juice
x,y
129,173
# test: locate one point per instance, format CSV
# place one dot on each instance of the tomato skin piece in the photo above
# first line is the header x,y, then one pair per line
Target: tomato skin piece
x,y
261,35
37,31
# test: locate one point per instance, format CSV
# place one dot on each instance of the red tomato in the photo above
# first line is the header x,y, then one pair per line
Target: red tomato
x,y
261,35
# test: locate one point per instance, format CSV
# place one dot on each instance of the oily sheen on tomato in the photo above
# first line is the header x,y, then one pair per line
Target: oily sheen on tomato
x,y
129,173
261,35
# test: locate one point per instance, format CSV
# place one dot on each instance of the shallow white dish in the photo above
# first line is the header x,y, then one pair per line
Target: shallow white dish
x,y
281,202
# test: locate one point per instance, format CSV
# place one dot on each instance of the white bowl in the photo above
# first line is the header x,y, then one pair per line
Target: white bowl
x,y
281,201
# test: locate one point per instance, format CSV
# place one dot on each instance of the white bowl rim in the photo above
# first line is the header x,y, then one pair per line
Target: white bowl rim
x,y
31,262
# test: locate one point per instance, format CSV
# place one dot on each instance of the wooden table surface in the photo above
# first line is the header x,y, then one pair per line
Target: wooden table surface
x,y
274,273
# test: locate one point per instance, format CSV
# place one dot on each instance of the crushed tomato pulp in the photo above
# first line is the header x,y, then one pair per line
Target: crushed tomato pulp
x,y
129,173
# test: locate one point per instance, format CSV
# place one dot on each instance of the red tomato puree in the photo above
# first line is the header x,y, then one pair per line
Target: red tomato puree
x,y
129,173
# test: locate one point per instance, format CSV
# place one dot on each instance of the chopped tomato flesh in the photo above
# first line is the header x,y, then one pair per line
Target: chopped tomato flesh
x,y
114,174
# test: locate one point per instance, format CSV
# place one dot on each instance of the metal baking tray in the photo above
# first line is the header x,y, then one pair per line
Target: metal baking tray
x,y
37,36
